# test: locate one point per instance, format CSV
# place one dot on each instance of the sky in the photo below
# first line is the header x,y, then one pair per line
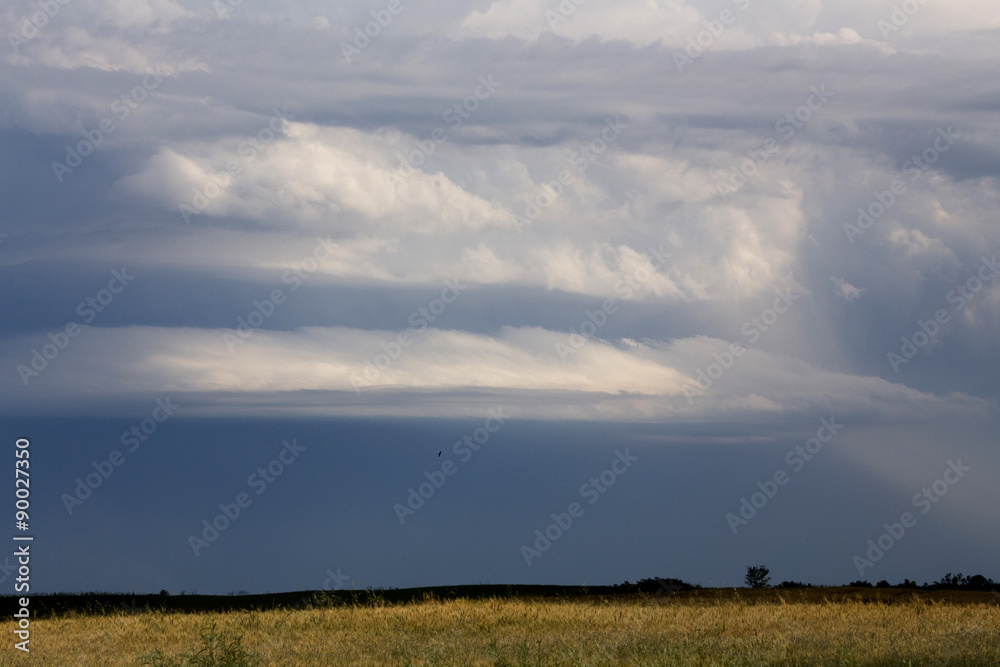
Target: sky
x,y
303,295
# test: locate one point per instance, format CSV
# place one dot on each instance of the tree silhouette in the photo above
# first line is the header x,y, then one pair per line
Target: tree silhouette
x,y
757,576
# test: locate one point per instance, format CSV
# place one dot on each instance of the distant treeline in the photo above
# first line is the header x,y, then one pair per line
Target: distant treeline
x,y
47,604
949,582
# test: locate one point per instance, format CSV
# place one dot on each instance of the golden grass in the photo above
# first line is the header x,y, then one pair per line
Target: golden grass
x,y
671,631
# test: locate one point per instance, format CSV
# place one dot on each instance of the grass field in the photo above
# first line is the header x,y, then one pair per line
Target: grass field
x,y
705,627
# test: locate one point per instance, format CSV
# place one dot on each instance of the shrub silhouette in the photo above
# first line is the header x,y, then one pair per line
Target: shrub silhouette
x,y
215,651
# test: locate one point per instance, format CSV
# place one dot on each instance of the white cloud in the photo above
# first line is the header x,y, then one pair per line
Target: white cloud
x,y
330,172
340,181
600,380
846,290
314,178
638,20
784,22
109,35
842,36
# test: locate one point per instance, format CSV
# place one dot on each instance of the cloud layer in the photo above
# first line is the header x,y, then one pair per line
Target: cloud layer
x,y
586,153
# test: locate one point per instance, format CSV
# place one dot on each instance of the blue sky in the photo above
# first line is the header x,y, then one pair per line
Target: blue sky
x,y
724,273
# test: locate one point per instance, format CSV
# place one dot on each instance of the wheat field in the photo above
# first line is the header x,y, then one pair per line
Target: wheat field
x,y
602,631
